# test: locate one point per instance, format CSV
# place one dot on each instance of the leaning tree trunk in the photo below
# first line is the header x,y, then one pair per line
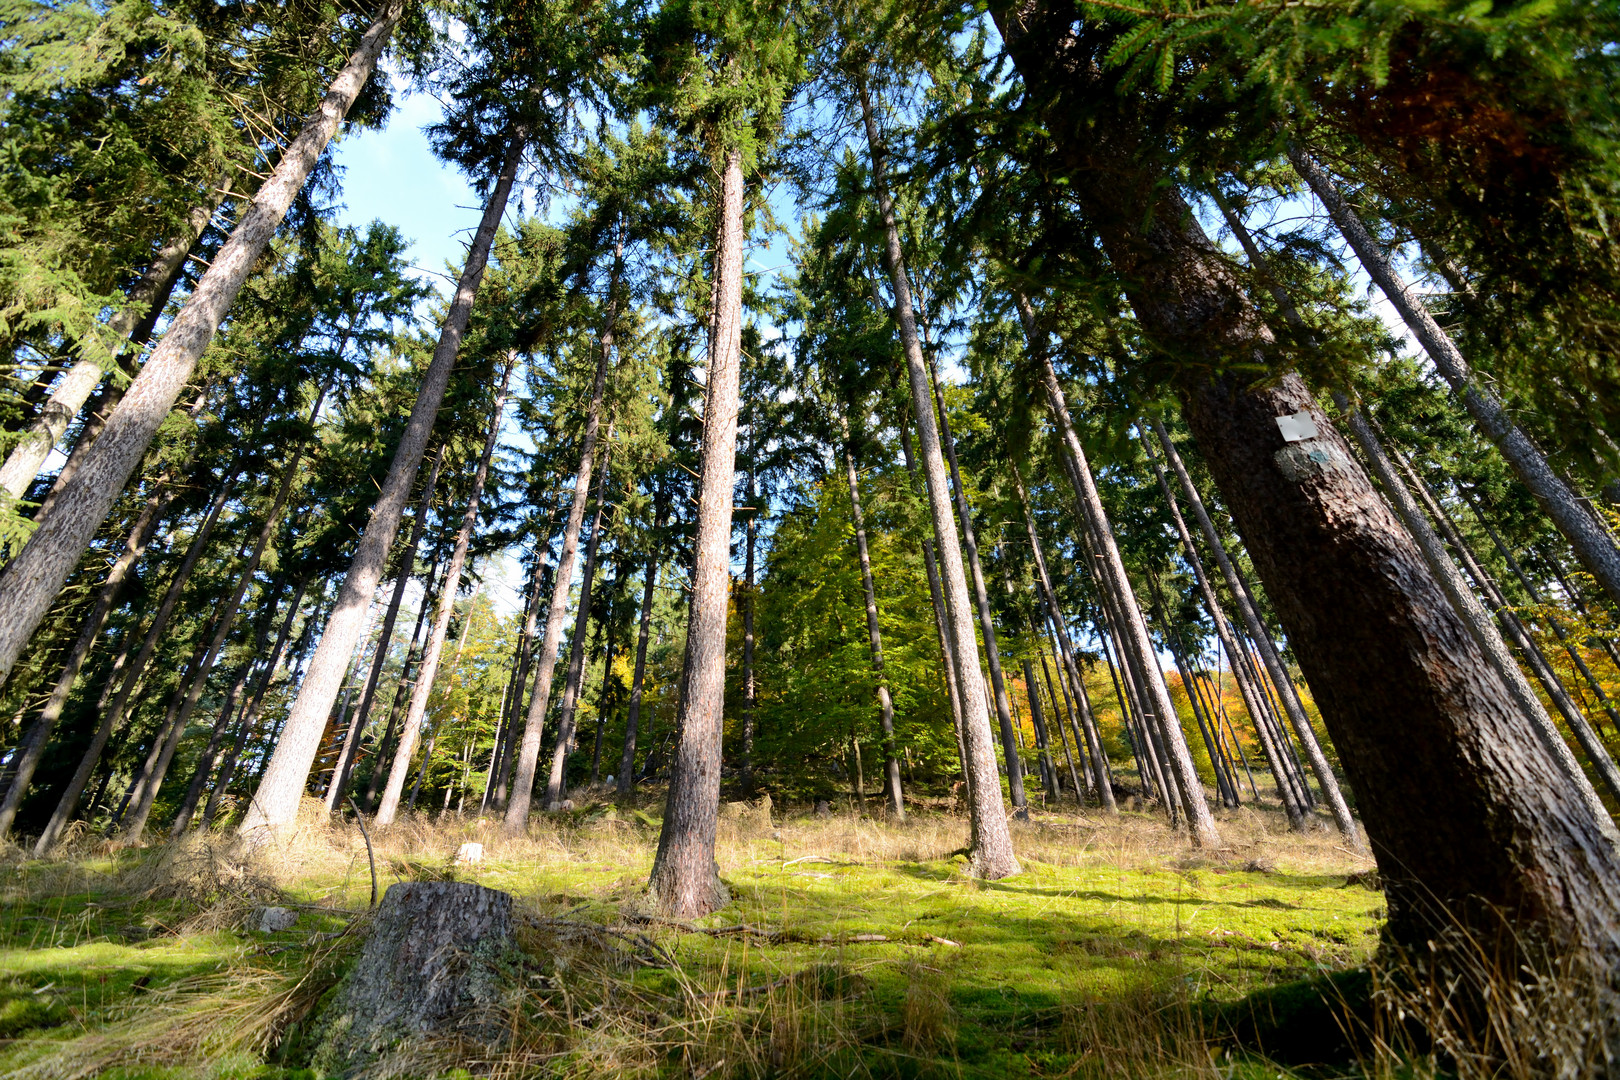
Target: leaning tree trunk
x,y
385,637
981,603
222,724
1591,543
227,616
112,717
528,758
941,622
1474,616
32,580
520,683
685,879
250,708
33,747
70,393
276,803
403,690
1136,647
441,619
990,840
1099,759
1468,813
576,646
1251,619
649,583
874,634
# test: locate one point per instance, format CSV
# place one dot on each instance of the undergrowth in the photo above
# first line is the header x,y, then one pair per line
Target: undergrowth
x,y
853,947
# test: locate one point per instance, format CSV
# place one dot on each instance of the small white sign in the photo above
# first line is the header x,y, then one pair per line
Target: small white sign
x,y
1297,427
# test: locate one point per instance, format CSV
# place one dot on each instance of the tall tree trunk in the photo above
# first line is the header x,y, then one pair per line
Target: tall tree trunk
x,y
750,691
577,645
990,840
33,748
227,617
413,653
1059,708
1292,806
276,803
222,724
32,580
1593,546
250,708
1467,812
685,879
525,659
1137,648
603,700
1093,738
941,622
385,638
649,583
151,289
512,701
447,608
891,763
1251,619
528,759
981,602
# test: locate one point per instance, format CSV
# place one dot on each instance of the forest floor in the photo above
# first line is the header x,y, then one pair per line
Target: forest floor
x,y
852,947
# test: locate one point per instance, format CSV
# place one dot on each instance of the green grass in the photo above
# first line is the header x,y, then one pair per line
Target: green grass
x,y
1114,938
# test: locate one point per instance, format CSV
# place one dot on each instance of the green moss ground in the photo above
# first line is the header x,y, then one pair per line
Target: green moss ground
x,y
974,978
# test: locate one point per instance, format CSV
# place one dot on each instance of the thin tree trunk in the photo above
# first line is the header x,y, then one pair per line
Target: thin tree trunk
x,y
1058,712
941,621
351,740
990,850
512,701
981,601
250,708
750,690
32,580
227,617
577,645
447,607
1137,647
874,634
222,724
602,701
526,660
685,879
385,746
33,748
1593,546
276,803
632,722
1099,759
528,759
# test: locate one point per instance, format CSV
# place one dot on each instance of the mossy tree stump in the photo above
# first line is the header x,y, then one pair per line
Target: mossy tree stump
x,y
436,966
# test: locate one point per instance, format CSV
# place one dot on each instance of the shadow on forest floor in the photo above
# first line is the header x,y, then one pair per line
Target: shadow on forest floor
x,y
863,949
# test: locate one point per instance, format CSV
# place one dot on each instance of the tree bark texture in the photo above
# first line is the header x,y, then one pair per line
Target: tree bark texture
x,y
990,840
276,802
437,964
1473,614
30,583
429,669
685,878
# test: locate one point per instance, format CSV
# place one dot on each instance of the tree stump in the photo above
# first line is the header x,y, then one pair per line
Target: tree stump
x,y
437,964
